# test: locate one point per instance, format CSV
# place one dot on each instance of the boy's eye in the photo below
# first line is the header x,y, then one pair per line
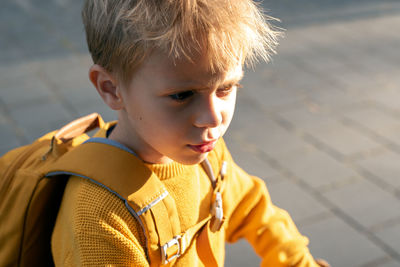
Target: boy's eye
x,y
181,96
222,92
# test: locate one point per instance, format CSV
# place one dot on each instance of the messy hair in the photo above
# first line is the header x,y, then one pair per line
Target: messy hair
x,y
122,33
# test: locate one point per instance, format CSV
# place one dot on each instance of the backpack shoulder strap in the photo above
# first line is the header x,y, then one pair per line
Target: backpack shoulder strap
x,y
100,160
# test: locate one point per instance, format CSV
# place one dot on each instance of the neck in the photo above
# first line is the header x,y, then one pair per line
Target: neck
x,y
122,136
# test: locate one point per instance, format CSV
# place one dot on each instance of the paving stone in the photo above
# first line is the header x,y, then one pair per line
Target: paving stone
x,y
276,142
351,81
10,11
39,45
20,84
338,98
316,168
384,261
308,117
300,204
384,166
388,98
343,139
40,39
289,74
356,35
350,62
67,70
279,83
391,235
317,61
289,47
69,77
36,120
378,122
80,96
9,139
256,127
274,97
385,37
60,25
372,63
391,263
326,12
365,203
241,254
246,159
332,31
333,240
98,107
363,31
253,126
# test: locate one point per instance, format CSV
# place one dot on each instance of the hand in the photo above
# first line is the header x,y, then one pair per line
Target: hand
x,y
322,263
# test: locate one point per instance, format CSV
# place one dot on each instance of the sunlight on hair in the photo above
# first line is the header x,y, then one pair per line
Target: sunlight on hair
x,y
121,34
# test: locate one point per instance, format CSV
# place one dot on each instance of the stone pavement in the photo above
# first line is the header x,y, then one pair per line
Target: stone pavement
x,y
321,123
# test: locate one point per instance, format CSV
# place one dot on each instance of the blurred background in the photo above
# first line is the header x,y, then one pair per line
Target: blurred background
x,y
320,123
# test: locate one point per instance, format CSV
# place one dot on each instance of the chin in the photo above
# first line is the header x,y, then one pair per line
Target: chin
x,y
193,159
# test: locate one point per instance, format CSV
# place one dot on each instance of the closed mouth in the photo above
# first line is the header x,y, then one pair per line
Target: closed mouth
x,y
204,147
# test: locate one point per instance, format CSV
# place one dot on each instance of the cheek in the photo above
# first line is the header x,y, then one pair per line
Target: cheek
x,y
229,110
167,123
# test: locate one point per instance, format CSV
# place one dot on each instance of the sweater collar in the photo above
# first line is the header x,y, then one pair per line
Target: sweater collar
x,y
166,171
163,171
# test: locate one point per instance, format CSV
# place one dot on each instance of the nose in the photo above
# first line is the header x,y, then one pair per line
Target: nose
x,y
209,113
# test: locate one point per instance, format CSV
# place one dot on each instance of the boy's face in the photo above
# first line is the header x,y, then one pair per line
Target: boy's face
x,y
176,112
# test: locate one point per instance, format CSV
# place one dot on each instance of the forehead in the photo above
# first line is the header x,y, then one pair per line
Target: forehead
x,y
196,71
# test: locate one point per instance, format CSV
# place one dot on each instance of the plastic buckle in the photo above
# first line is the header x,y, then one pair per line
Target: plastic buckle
x,y
165,257
217,213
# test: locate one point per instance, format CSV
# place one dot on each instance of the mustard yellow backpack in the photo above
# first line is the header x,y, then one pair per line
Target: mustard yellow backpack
x,y
32,182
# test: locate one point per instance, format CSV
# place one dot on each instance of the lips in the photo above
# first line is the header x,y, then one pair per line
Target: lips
x,y
204,147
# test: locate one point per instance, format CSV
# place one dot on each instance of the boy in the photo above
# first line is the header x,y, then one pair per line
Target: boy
x,y
171,68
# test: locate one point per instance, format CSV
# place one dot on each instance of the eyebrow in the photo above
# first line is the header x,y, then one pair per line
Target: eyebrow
x,y
193,85
201,88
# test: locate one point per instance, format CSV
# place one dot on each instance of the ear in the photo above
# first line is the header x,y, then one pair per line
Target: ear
x,y
107,87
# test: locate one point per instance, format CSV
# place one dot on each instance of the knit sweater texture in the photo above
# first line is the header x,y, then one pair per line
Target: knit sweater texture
x,y
94,228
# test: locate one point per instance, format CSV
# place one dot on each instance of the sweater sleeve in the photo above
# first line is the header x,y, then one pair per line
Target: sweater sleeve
x,y
93,228
269,229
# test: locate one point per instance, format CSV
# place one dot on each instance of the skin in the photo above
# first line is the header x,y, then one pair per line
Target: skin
x,y
170,111
167,107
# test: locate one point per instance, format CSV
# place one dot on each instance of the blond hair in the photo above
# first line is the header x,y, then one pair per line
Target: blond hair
x,y
122,33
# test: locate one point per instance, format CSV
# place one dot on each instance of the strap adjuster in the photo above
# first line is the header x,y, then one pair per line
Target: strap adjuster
x,y
170,250
217,212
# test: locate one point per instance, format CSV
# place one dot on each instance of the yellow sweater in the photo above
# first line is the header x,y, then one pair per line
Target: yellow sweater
x,y
94,228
